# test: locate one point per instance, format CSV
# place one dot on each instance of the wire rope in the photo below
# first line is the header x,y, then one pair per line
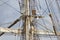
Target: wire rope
x,y
44,23
10,6
44,26
42,8
3,3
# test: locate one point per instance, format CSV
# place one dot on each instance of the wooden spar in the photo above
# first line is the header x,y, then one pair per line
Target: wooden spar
x,y
54,27
17,20
33,31
53,24
27,19
32,26
10,30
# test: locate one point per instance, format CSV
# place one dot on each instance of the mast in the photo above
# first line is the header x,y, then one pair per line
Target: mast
x,y
27,19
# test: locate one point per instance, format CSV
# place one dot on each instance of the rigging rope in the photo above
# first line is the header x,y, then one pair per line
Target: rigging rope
x,y
47,6
58,5
42,8
10,6
44,26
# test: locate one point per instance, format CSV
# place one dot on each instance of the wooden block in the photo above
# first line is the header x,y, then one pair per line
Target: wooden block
x,y
33,12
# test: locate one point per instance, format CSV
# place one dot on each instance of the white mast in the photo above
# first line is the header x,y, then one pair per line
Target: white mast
x,y
27,19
